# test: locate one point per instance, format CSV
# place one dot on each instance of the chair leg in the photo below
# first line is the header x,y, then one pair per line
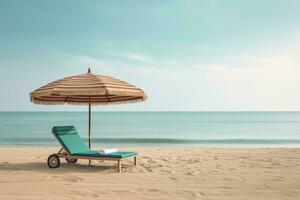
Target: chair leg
x,y
134,161
119,166
60,150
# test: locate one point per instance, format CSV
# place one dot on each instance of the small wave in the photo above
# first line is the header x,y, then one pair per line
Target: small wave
x,y
50,141
192,141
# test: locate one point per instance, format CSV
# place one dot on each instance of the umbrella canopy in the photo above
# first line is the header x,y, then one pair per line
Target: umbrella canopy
x,y
87,89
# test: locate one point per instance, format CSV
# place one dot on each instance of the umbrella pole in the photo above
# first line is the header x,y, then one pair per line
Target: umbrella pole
x,y
89,127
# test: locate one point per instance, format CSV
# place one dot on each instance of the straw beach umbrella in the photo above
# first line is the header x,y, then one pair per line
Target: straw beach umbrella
x,y
87,89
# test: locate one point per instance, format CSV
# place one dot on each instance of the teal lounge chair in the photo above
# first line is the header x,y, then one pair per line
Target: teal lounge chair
x,y
74,148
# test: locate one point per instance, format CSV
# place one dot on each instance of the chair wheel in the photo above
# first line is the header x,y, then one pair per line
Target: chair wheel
x,y
71,160
53,161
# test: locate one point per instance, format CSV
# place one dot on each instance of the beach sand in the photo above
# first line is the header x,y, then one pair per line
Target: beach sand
x,y
161,173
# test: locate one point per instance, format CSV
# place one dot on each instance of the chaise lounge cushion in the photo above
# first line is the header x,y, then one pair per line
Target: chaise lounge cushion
x,y
69,139
76,146
119,154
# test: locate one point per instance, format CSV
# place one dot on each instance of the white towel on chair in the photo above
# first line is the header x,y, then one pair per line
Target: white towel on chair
x,y
107,151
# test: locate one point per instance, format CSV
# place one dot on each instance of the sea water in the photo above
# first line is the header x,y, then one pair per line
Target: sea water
x,y
205,129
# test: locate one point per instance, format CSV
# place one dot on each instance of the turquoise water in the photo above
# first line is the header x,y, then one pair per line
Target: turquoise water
x,y
209,129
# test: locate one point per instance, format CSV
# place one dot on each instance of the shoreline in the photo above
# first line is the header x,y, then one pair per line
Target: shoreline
x,y
98,146
150,147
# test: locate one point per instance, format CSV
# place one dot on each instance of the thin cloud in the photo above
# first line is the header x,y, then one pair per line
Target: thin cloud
x,y
137,56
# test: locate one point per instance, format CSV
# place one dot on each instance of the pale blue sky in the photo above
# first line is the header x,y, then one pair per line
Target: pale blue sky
x,y
187,55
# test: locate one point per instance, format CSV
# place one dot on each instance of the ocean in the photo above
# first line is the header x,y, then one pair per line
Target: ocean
x,y
147,129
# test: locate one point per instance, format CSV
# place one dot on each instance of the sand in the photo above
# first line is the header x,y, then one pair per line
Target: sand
x,y
161,173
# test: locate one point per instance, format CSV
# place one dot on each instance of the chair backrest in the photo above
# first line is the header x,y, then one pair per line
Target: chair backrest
x,y
69,139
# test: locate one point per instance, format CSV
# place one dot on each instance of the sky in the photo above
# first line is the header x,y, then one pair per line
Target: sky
x,y
196,55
